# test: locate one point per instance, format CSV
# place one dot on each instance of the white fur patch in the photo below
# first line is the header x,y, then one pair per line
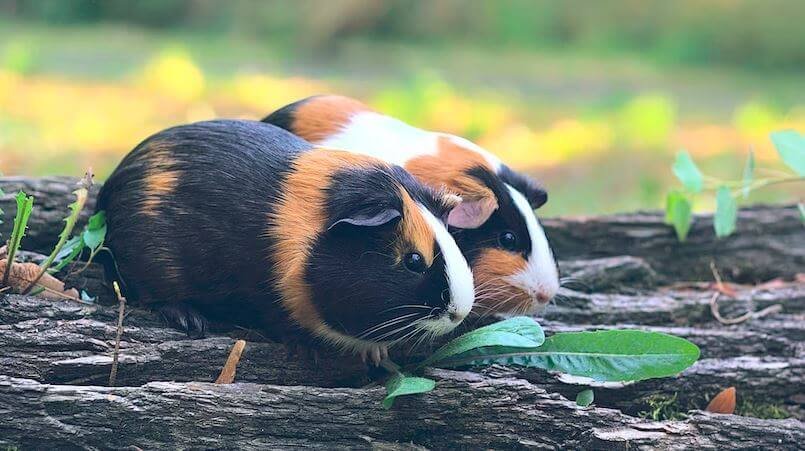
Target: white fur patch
x,y
457,271
539,277
382,137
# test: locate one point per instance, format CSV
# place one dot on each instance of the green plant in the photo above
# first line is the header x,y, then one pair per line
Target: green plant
x,y
585,398
662,407
25,205
610,355
768,411
790,146
69,223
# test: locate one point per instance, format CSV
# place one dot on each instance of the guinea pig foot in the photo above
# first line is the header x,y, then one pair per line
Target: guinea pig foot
x,y
376,353
185,318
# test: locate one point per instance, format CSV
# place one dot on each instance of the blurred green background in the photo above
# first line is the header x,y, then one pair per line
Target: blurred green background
x,y
591,97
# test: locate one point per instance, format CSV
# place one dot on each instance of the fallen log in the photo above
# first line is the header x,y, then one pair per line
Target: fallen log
x,y
483,413
59,342
766,244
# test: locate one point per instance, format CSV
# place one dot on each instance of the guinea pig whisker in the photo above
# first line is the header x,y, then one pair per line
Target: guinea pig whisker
x,y
385,324
403,306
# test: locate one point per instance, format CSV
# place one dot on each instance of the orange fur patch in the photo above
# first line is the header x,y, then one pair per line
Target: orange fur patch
x,y
323,116
492,291
414,230
160,179
448,169
299,218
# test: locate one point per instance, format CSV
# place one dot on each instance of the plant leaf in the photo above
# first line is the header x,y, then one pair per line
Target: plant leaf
x,y
791,147
726,212
678,213
609,355
95,233
749,173
585,398
401,385
801,212
25,204
513,333
71,250
687,172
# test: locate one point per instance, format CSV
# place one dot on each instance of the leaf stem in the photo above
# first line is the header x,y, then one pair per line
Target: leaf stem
x,y
76,207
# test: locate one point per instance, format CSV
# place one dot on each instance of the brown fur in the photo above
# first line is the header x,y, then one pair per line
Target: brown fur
x,y
489,270
300,218
323,116
448,169
415,230
160,180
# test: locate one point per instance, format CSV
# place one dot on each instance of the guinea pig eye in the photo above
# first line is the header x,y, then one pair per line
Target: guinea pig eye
x,y
508,241
415,263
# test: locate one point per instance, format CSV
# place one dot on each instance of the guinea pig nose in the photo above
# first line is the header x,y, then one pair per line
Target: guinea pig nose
x,y
543,297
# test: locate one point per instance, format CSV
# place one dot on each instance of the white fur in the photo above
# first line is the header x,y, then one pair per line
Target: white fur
x,y
459,277
382,137
539,277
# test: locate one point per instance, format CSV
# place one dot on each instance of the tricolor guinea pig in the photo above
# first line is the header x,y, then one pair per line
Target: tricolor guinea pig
x,y
244,218
495,226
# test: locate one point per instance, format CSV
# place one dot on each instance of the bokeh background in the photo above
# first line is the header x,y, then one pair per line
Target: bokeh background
x,y
594,98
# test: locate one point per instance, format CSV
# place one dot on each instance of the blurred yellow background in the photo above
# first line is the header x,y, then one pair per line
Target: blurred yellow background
x,y
591,98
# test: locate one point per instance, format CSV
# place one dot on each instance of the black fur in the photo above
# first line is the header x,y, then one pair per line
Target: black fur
x,y
369,254
506,218
534,193
284,117
207,244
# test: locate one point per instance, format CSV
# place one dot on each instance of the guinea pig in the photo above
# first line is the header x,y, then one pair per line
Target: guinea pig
x,y
495,225
244,218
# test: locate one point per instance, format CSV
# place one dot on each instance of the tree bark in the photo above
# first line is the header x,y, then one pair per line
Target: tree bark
x,y
766,244
55,357
465,411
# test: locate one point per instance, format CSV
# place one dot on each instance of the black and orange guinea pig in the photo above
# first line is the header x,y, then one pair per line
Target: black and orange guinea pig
x,y
246,220
495,226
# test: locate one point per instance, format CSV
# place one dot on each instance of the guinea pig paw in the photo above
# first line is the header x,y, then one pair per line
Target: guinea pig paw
x,y
376,353
185,318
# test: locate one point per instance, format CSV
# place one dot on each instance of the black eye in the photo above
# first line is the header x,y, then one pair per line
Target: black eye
x,y
508,241
415,263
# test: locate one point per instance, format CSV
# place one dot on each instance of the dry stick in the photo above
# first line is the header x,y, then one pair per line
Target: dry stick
x,y
120,312
227,375
772,309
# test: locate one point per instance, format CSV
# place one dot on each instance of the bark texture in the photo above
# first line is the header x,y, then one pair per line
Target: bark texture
x,y
626,271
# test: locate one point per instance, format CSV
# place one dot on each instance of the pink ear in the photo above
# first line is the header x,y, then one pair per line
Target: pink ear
x,y
472,214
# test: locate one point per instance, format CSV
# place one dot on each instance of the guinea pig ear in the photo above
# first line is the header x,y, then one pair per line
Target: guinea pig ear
x,y
368,219
471,214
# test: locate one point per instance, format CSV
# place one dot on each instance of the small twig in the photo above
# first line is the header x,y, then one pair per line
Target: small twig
x,y
227,375
120,314
770,310
740,319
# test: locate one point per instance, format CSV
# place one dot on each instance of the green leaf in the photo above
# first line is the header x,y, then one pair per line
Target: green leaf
x,y
686,171
25,204
610,355
585,398
749,172
726,212
69,223
791,147
514,333
401,385
71,250
678,213
95,233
